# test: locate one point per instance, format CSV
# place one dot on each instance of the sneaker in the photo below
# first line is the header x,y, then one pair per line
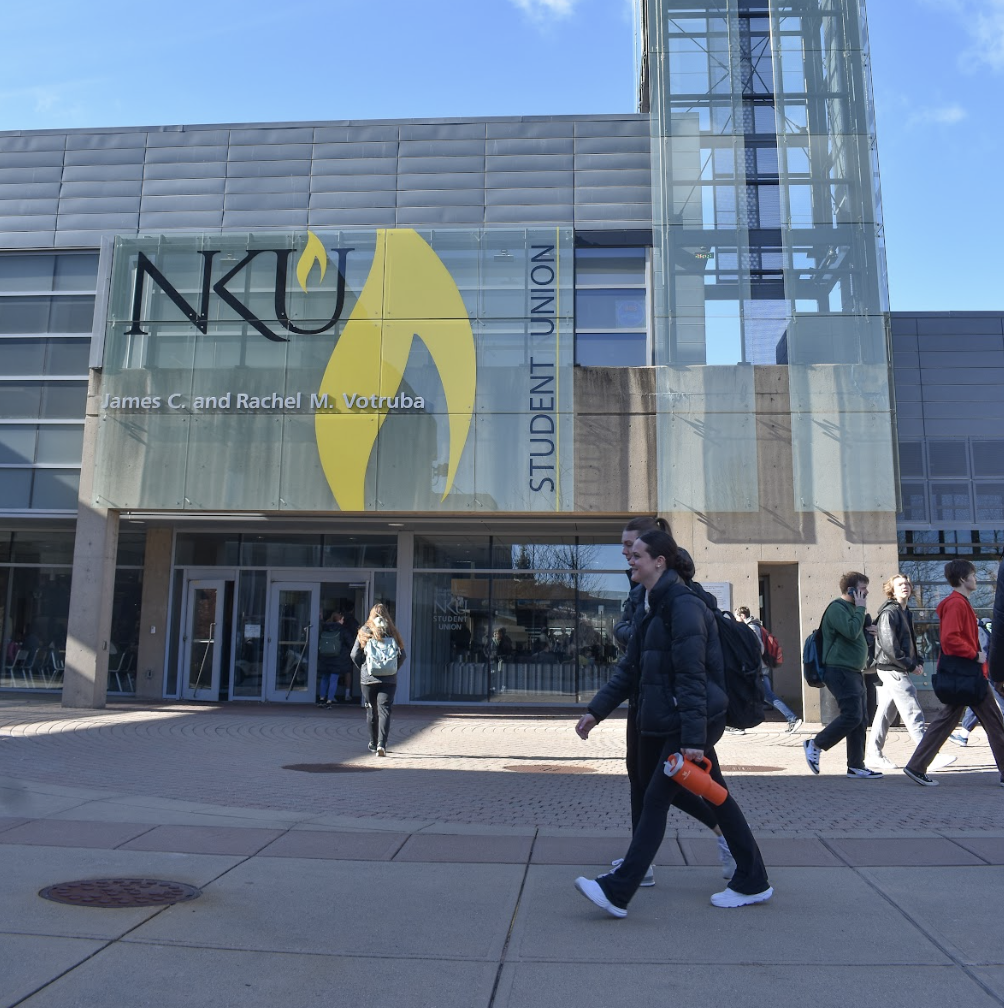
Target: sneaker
x,y
381,751
959,739
648,879
735,731
731,898
590,888
920,778
864,773
811,754
880,762
1002,781
371,747
941,761
793,726
728,862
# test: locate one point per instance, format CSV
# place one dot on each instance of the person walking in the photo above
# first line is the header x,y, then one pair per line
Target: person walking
x,y
845,653
969,721
896,660
964,660
379,653
334,661
674,666
642,753
794,721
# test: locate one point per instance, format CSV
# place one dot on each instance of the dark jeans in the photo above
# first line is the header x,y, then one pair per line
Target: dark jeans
x,y
379,699
643,752
751,875
871,695
848,688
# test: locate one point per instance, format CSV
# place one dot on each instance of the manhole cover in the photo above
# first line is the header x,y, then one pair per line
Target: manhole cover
x,y
548,768
120,892
330,768
743,768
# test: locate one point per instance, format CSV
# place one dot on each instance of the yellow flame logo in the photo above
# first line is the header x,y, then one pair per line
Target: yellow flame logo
x,y
408,294
312,253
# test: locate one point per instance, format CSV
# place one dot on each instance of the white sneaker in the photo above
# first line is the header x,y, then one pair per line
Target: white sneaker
x,y
731,898
728,862
941,761
811,754
880,762
648,879
590,888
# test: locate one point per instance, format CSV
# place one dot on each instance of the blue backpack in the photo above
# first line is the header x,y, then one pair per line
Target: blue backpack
x,y
813,667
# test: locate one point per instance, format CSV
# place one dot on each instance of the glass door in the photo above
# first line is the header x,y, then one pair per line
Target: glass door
x,y
291,642
201,652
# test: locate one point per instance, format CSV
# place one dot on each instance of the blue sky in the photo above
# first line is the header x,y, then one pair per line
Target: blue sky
x,y
938,69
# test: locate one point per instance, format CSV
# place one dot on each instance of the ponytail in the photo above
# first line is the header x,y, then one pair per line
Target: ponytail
x,y
644,523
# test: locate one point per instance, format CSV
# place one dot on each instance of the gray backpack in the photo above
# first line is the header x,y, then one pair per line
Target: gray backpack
x,y
381,656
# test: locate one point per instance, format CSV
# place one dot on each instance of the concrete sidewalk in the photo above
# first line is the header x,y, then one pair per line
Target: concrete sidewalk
x,y
438,877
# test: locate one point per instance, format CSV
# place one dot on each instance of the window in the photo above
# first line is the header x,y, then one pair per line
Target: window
x,y
611,307
46,316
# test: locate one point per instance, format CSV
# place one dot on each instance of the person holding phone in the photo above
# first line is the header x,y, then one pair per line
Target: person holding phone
x,y
845,654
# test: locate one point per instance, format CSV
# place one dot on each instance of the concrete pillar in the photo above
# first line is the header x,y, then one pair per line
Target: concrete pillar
x,y
153,626
85,679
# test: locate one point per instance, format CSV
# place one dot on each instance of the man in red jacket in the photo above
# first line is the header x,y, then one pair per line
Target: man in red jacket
x,y
959,638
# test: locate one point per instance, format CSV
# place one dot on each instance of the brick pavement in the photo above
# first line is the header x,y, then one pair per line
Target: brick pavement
x,y
463,767
442,879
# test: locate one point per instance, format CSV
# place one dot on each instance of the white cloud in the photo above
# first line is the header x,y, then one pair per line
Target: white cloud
x,y
988,33
983,20
944,115
546,10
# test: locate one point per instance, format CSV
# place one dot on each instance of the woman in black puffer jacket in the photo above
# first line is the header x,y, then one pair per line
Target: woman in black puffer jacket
x,y
674,665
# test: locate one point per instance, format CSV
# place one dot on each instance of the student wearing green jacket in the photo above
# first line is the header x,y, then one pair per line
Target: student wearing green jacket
x,y
845,654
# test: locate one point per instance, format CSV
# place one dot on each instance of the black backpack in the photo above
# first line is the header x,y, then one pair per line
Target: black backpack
x,y
741,654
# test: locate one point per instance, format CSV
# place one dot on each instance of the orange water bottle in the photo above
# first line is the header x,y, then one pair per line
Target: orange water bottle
x,y
695,777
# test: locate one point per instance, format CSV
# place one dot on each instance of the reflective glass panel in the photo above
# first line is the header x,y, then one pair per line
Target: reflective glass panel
x,y
55,489
53,547
35,627
250,653
125,631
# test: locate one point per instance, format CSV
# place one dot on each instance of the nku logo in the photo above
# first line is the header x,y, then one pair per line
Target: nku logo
x,y
408,295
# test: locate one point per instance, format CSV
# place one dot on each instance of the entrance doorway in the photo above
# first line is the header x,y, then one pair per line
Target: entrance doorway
x,y
205,636
265,647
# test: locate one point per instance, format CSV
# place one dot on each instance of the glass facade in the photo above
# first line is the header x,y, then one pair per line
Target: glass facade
x,y
241,603
35,568
611,307
768,249
923,555
514,621
360,371
46,315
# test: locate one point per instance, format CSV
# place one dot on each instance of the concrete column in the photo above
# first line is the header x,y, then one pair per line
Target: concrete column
x,y
153,627
85,679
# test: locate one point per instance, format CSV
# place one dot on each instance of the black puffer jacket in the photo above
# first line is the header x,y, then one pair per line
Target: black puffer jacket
x,y
895,644
997,630
624,627
676,670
